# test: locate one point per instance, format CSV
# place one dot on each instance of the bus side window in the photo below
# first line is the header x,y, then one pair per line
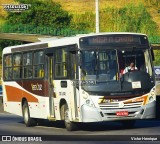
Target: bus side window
x,y
7,74
27,65
17,66
38,64
61,67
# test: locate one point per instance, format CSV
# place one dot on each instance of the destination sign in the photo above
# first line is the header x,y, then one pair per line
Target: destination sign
x,y
111,39
103,40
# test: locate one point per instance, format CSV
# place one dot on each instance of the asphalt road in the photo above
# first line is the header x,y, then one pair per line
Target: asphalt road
x,y
112,132
1,104
12,125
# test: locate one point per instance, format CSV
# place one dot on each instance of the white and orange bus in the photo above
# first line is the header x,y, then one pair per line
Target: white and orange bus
x,y
80,79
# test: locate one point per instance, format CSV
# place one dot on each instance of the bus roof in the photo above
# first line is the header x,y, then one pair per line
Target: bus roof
x,y
62,41
10,48
75,39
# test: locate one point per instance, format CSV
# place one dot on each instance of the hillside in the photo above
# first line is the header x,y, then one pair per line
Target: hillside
x,y
77,7
83,6
113,15
2,12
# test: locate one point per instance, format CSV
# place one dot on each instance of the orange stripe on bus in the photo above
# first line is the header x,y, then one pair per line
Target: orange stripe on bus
x,y
14,94
139,99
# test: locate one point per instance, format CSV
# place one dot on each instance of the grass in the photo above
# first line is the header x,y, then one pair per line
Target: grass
x,y
3,13
0,74
82,6
83,10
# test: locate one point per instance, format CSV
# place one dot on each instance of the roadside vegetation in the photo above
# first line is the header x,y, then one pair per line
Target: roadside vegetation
x,y
79,15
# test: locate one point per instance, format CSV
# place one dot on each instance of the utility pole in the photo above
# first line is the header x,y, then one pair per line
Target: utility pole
x,y
97,16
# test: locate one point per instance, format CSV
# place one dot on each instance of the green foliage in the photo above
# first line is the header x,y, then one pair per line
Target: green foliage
x,y
85,22
41,13
157,57
42,30
48,18
128,19
6,43
42,17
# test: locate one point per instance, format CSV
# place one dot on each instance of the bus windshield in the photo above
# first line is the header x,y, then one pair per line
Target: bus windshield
x,y
100,64
107,69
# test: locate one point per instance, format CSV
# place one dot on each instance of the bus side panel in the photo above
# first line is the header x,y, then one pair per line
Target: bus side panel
x,y
14,93
38,89
39,110
10,98
67,94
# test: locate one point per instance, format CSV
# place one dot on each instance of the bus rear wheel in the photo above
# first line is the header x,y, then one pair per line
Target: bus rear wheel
x,y
70,126
26,116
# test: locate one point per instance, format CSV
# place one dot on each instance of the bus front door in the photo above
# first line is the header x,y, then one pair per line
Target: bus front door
x,y
51,86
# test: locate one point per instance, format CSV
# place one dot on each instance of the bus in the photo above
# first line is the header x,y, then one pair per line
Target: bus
x,y
80,79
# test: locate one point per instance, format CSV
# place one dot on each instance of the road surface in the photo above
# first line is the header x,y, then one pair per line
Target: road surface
x,y
12,125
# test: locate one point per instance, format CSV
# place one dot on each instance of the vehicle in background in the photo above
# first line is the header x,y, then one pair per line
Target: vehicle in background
x,y
157,74
1,94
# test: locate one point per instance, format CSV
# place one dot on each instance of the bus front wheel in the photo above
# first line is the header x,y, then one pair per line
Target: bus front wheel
x,y
26,116
70,126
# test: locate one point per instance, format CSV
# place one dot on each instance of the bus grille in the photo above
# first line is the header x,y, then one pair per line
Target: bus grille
x,y
116,105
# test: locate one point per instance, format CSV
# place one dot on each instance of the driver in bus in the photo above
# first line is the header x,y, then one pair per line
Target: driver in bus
x,y
129,68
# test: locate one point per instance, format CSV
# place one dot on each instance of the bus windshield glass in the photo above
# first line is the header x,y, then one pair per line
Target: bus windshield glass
x,y
108,70
100,64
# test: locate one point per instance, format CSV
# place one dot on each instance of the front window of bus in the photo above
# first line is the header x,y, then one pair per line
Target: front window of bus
x,y
99,65
105,68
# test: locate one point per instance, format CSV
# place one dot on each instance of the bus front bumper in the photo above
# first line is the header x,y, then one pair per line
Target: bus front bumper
x,y
92,114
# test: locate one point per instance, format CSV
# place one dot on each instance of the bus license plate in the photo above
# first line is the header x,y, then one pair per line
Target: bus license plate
x,y
122,113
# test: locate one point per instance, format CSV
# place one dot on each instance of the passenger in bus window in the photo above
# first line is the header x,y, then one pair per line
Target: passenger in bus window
x,y
129,68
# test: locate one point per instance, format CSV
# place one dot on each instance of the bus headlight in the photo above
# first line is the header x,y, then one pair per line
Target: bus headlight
x,y
152,95
89,103
85,95
150,98
87,99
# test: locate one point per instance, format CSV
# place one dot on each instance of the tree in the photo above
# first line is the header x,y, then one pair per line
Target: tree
x,y
41,13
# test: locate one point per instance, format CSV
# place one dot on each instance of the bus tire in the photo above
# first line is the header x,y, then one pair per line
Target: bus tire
x,y
128,123
62,111
70,126
26,116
